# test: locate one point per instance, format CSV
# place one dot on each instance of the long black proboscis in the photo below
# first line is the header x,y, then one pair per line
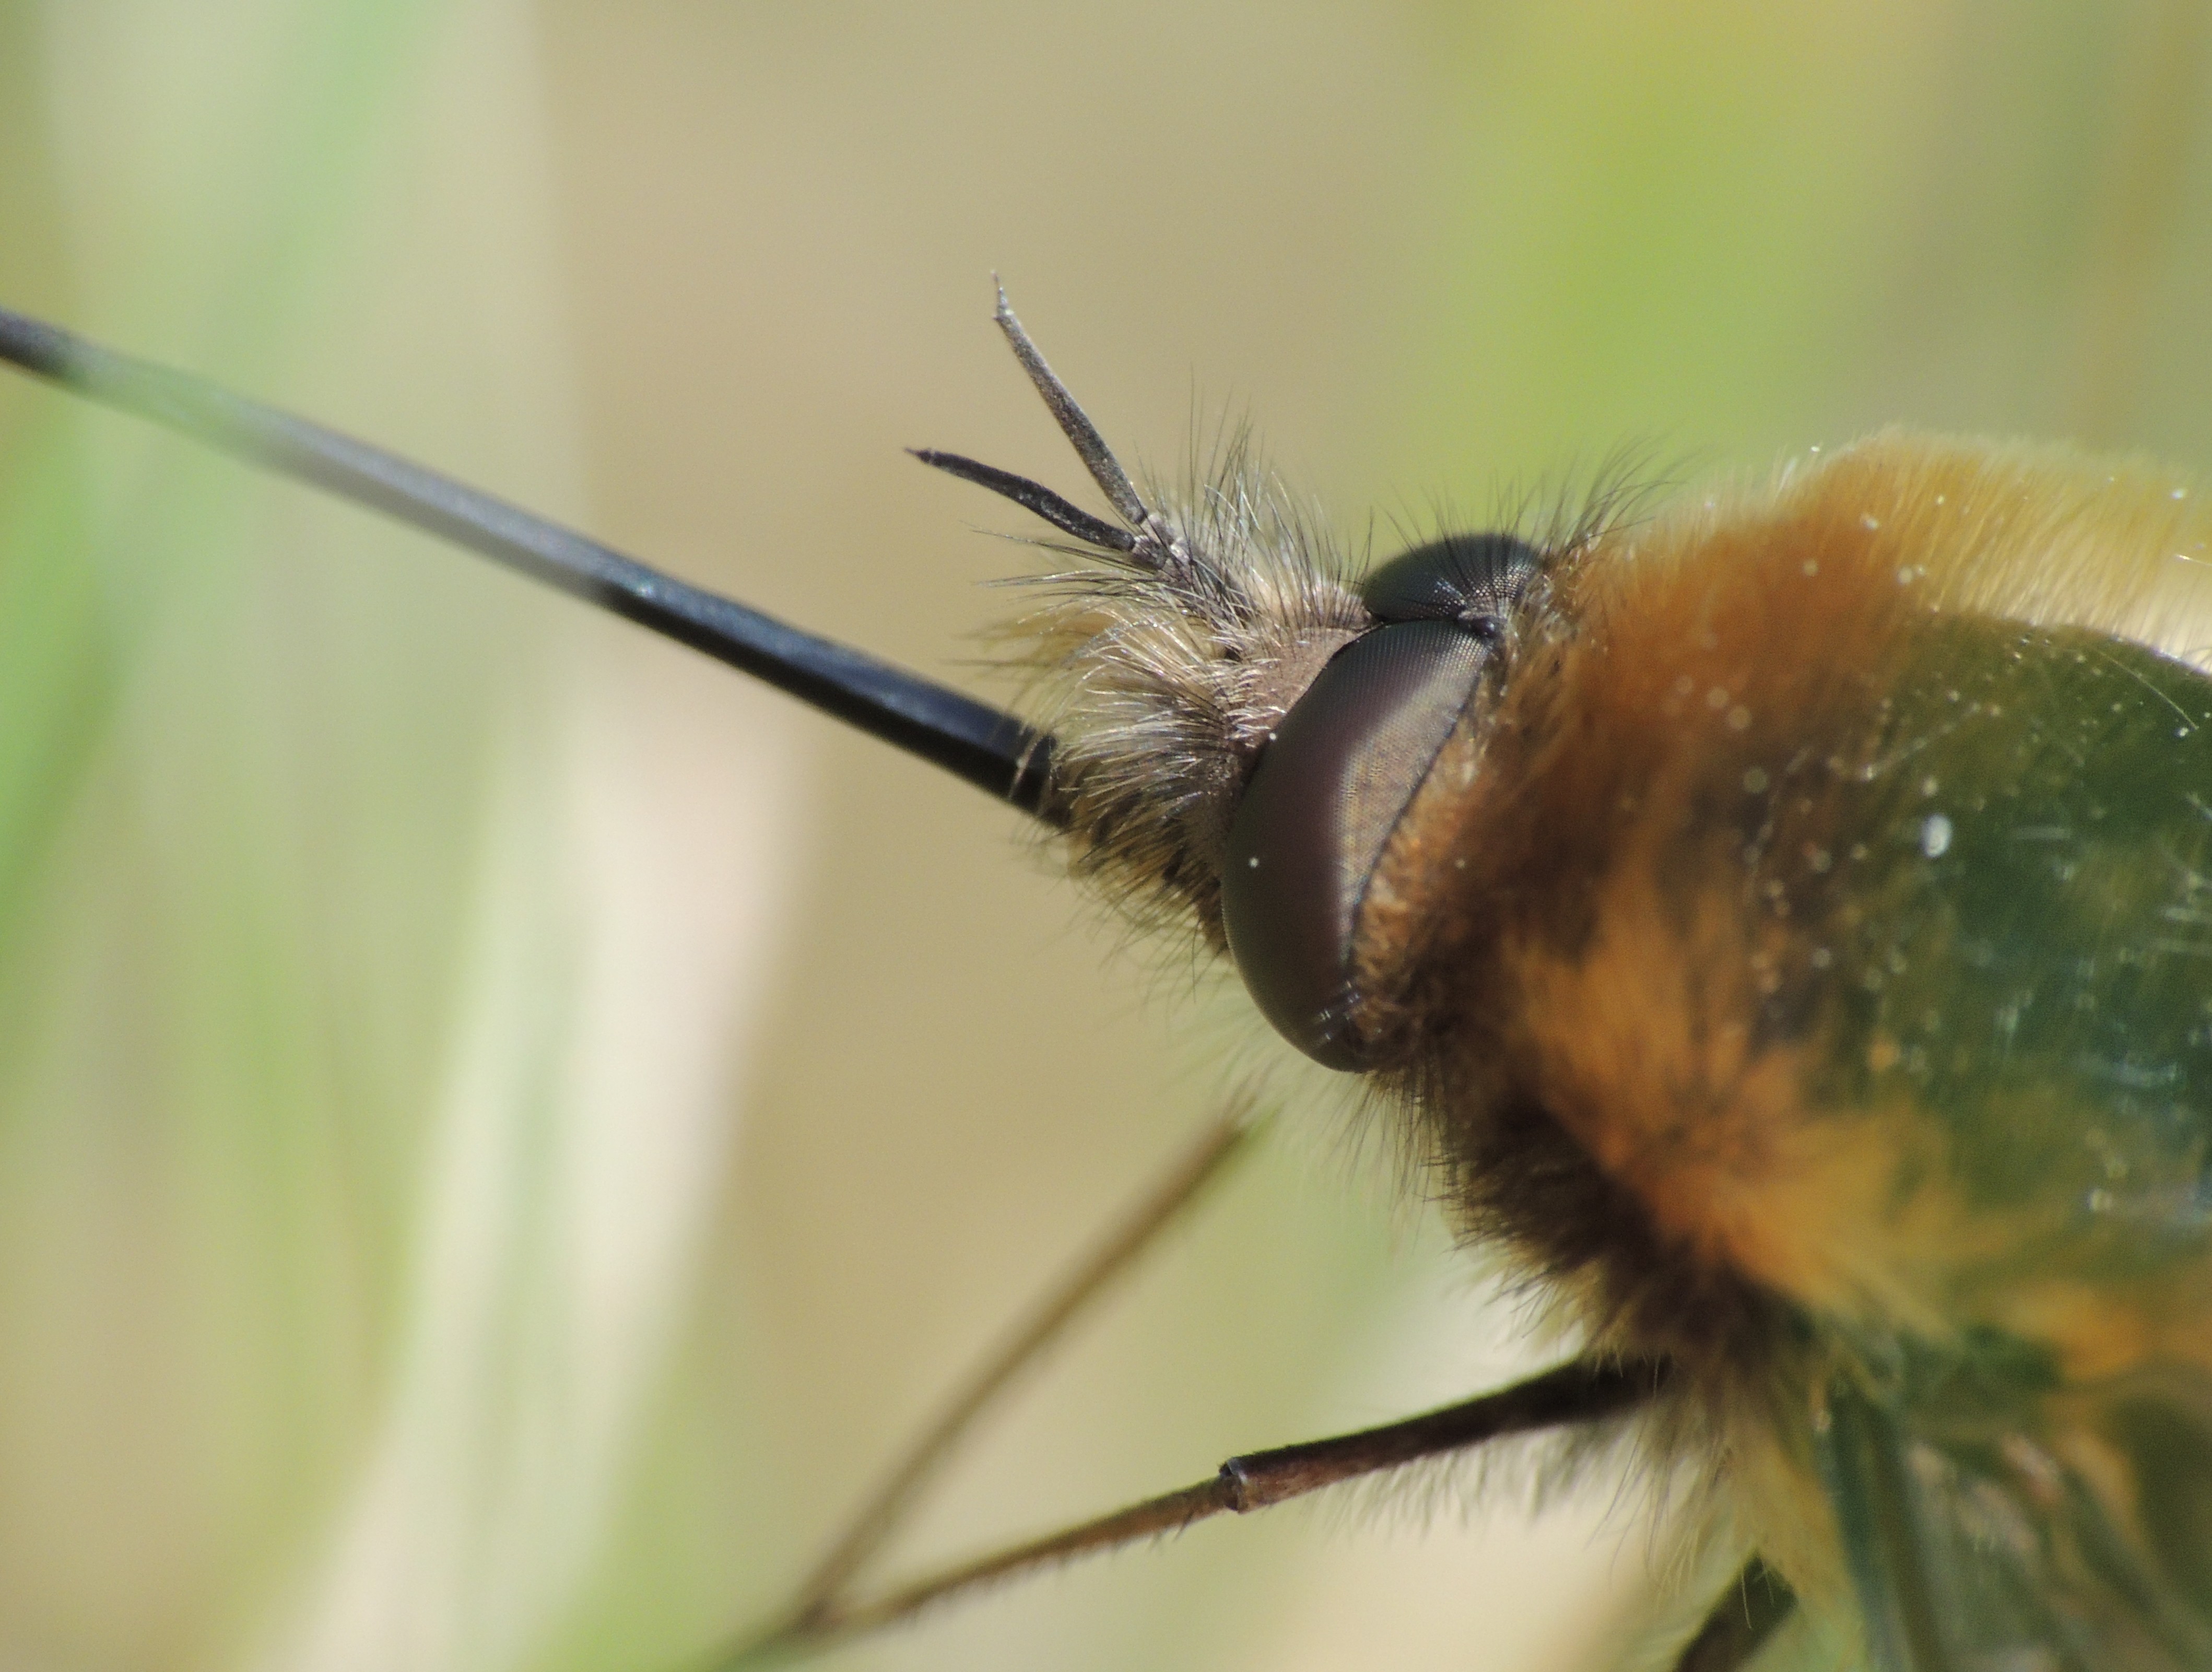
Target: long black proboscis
x,y
989,748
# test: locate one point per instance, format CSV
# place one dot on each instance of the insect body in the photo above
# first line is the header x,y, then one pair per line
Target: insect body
x,y
1786,922
1783,923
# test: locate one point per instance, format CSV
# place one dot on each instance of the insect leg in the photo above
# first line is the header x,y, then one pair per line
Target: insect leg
x,y
1749,1612
1581,1391
1173,1191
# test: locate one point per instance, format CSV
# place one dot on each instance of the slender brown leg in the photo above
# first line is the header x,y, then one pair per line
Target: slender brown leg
x,y
1574,1392
1749,1612
880,1514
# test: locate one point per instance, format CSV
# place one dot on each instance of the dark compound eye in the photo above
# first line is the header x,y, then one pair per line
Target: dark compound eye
x,y
1471,579
1331,784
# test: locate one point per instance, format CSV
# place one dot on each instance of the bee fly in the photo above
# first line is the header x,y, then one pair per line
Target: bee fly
x,y
1783,921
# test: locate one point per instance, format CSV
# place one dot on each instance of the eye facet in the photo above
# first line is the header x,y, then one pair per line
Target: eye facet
x,y
1333,783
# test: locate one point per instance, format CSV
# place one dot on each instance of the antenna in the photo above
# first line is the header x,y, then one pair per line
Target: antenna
x,y
991,749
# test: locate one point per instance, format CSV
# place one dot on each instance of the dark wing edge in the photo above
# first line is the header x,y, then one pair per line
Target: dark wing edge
x,y
2072,1535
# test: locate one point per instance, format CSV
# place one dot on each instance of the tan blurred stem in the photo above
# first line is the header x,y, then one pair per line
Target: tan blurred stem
x,y
1166,1198
1579,1392
2140,197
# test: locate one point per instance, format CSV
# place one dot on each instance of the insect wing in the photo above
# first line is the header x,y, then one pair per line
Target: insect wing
x,y
2076,1544
2019,1458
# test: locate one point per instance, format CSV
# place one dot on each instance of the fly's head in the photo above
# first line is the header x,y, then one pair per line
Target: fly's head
x,y
1241,723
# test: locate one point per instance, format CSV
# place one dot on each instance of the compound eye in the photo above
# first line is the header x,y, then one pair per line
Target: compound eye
x,y
1472,579
1328,790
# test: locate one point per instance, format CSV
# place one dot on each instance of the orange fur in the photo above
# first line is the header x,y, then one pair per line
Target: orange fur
x,y
1591,930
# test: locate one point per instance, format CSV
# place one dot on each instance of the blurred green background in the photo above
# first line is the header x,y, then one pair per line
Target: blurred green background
x,y
502,1128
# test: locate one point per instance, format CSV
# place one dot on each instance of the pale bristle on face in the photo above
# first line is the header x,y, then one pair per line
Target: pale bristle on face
x,y
1163,683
